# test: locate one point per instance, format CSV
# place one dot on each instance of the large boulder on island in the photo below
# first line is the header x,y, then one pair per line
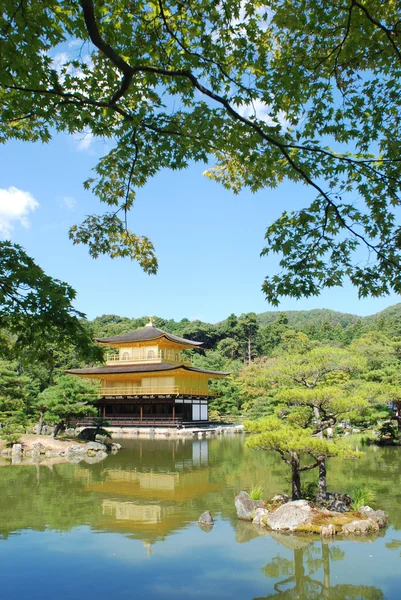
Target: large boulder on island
x,y
360,527
290,516
260,517
95,447
244,506
377,515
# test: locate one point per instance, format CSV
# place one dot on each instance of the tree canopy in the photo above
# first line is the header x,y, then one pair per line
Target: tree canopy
x,y
36,310
264,91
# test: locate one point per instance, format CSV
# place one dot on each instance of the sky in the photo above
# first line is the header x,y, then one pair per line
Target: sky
x,y
208,240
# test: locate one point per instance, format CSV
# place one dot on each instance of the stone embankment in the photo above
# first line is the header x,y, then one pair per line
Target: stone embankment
x,y
281,514
49,447
208,431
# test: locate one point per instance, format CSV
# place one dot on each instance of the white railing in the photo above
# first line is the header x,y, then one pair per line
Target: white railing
x,y
153,391
144,358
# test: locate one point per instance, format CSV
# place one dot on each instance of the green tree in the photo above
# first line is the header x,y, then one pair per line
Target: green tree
x,y
16,392
292,444
248,328
322,109
310,393
37,310
69,398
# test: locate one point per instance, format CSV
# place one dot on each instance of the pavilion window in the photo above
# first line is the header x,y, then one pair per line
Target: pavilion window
x,y
151,354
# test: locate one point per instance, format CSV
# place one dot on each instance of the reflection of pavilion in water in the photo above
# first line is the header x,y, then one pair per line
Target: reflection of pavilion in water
x,y
150,505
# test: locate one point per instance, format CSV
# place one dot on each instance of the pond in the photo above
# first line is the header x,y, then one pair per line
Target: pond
x,y
127,528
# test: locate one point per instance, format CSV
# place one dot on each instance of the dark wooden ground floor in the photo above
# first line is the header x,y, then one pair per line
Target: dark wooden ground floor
x,y
132,411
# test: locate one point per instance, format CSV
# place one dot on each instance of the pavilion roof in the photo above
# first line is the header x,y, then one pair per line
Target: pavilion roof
x,y
140,368
146,334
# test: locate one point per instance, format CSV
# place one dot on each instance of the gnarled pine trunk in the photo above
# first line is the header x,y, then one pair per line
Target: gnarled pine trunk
x,y
296,476
322,483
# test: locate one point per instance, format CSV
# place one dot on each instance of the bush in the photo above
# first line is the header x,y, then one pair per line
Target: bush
x,y
256,492
11,434
362,495
389,430
309,491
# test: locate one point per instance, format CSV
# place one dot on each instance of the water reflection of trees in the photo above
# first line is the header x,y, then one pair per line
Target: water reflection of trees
x,y
300,577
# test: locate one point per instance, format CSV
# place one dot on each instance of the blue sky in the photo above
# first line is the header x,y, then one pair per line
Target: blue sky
x,y
207,239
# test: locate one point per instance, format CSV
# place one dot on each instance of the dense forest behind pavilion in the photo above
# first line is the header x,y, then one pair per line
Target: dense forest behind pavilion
x,y
356,358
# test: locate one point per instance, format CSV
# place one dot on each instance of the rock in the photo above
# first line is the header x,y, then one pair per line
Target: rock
x,y
17,449
114,448
343,497
75,450
69,431
95,447
244,506
356,431
258,504
360,527
95,458
38,448
87,434
280,499
377,515
327,530
206,518
260,517
329,432
338,506
47,430
290,515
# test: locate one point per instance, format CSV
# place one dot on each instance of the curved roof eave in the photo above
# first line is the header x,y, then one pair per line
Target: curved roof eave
x,y
137,369
147,334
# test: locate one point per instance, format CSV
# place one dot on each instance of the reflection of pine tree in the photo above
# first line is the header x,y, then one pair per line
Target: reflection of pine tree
x,y
299,585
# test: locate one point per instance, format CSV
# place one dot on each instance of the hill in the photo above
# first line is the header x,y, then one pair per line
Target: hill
x,y
299,319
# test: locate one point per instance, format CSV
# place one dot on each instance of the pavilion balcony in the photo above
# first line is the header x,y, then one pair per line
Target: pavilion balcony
x,y
134,391
147,357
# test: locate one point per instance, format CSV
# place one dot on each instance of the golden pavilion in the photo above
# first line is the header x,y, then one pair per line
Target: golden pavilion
x,y
147,381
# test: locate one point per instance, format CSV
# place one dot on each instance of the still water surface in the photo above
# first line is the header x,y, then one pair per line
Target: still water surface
x,y
126,528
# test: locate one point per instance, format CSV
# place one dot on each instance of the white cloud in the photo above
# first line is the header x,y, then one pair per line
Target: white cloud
x,y
68,202
15,206
261,111
84,139
74,43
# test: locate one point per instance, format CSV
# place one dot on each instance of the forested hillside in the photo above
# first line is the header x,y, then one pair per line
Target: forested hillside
x,y
244,345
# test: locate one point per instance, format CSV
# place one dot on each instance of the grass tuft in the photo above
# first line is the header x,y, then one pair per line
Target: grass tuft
x,y
362,495
256,492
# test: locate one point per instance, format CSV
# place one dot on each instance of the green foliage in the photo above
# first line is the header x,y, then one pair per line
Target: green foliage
x,y
69,398
389,430
256,492
17,392
309,490
37,310
362,495
11,433
230,86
